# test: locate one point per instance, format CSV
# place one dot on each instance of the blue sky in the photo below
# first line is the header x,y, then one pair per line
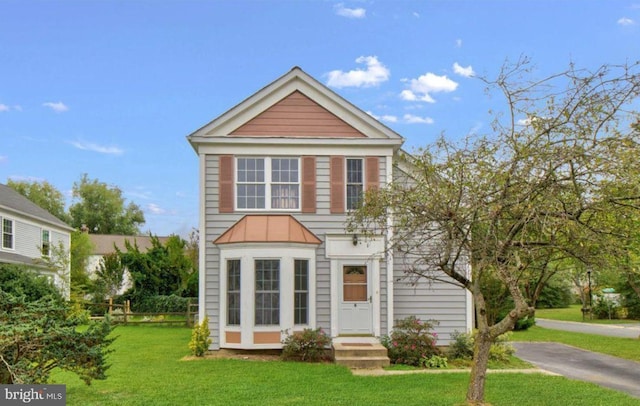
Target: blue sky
x,y
112,88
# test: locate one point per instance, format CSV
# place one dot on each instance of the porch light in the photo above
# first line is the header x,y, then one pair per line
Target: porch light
x,y
355,239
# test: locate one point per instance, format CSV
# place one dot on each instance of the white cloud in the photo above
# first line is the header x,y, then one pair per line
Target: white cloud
x,y
375,74
58,107
626,21
90,146
416,14
17,107
343,11
420,89
458,43
466,72
411,119
386,117
4,107
4,159
155,209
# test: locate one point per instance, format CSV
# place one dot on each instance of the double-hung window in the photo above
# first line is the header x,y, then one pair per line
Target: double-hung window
x,y
301,291
7,233
233,292
46,243
267,304
268,183
355,182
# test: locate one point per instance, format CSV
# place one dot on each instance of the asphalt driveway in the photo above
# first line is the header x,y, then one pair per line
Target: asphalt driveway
x,y
573,363
631,330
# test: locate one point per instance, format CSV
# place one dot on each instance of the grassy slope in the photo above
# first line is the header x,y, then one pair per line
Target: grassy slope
x,y
147,370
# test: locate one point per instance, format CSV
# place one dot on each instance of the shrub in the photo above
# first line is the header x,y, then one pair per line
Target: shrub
x,y
524,323
155,303
411,341
462,347
21,281
435,361
306,345
39,332
605,308
200,340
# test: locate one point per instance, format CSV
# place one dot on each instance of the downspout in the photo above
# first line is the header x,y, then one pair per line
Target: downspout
x,y
202,243
389,256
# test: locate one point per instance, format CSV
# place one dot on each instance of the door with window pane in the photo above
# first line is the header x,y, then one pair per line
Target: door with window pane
x,y
355,300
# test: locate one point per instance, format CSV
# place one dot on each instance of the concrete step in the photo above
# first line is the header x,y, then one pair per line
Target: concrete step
x,y
360,355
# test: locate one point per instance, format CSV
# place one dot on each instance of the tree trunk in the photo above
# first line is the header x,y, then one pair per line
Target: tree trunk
x,y
475,391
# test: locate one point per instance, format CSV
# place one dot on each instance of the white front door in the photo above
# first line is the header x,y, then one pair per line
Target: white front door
x,y
355,300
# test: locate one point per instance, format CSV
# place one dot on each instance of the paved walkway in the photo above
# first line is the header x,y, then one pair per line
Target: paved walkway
x,y
631,330
604,370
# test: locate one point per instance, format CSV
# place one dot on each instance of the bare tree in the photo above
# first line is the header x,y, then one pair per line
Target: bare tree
x,y
523,200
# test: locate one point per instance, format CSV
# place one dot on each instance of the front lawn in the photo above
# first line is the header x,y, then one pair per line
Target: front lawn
x,y
147,369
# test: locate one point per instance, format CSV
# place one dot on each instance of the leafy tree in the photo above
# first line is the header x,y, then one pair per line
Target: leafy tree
x,y
189,276
81,250
110,275
101,208
44,195
58,262
37,334
533,192
162,270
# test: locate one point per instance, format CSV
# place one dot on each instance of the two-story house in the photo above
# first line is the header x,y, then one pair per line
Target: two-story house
x,y
30,233
279,173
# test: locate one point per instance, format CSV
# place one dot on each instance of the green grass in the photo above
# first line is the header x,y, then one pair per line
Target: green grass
x,y
628,348
573,313
147,369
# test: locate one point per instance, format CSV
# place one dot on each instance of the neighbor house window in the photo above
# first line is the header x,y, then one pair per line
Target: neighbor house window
x,y
233,292
268,183
355,184
301,291
267,304
46,243
7,233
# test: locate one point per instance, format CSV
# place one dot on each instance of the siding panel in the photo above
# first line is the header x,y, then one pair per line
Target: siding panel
x,y
297,116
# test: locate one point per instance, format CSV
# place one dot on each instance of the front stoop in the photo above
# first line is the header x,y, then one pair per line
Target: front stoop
x,y
361,353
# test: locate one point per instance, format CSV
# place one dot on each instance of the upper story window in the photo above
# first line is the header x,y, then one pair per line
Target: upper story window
x,y
7,233
268,183
355,182
46,243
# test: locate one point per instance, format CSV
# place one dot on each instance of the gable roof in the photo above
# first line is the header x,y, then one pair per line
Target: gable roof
x,y
15,202
268,228
295,83
104,243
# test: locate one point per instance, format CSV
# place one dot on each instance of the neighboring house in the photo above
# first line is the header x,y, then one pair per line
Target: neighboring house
x,y
279,174
30,233
104,244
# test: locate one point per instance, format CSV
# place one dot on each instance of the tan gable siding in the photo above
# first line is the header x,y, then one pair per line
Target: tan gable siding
x,y
297,116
